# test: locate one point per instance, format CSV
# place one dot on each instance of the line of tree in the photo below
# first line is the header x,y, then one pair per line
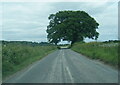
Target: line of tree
x,y
27,43
114,41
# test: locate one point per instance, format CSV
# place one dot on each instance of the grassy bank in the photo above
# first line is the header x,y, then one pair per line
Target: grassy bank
x,y
16,56
106,52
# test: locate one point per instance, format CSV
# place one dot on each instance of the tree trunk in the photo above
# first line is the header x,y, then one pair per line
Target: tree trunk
x,y
72,43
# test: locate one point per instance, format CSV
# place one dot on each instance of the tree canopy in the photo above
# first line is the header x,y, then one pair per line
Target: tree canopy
x,y
71,26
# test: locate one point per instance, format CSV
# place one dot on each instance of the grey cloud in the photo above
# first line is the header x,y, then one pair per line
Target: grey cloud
x,y
28,21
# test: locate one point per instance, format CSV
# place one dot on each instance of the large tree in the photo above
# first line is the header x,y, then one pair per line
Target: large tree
x,y
71,26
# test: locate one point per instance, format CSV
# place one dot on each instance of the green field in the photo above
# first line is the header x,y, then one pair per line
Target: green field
x,y
106,52
16,55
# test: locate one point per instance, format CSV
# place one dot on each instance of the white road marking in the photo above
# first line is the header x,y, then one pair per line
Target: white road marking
x,y
69,73
63,53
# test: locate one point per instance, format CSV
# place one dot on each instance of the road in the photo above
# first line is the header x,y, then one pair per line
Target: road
x,y
66,66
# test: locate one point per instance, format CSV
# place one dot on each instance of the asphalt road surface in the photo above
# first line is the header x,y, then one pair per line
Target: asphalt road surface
x,y
66,66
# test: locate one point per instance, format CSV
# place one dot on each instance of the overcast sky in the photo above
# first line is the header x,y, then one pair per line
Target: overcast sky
x,y
27,21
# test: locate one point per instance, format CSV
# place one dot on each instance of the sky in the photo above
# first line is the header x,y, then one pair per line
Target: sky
x,y
27,21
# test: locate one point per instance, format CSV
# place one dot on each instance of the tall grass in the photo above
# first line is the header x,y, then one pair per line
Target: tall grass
x,y
16,56
96,50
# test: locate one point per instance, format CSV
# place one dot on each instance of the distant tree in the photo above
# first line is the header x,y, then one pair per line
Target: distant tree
x,y
71,26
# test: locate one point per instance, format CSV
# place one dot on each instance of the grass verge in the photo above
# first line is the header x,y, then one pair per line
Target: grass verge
x,y
16,56
106,52
0,63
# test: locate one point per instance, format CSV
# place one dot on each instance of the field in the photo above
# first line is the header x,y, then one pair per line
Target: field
x,y
106,52
18,55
